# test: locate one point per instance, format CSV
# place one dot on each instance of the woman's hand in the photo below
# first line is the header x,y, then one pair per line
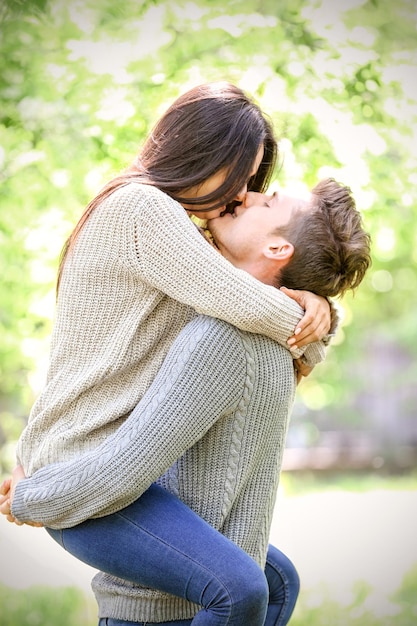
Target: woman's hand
x,y
316,321
7,489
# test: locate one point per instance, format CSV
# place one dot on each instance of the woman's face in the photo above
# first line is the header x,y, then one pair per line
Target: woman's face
x,y
213,183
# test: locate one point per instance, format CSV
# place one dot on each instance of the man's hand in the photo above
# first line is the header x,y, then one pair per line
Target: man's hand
x,y
7,489
5,496
301,369
316,321
6,500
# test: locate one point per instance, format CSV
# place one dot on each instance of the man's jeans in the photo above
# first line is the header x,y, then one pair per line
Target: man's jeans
x,y
161,543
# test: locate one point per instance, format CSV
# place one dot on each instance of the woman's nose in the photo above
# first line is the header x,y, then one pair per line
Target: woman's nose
x,y
241,194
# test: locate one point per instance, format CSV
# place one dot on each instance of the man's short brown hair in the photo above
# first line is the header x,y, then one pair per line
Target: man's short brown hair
x,y
331,247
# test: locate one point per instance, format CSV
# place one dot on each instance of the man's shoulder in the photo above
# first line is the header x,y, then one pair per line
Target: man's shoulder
x,y
213,329
209,333
263,362
262,351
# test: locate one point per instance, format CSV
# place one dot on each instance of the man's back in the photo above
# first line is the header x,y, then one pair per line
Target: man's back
x,y
230,476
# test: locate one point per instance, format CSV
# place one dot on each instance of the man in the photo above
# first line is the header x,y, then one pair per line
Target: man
x,y
313,241
211,429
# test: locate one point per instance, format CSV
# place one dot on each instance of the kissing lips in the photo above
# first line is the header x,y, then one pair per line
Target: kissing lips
x,y
230,208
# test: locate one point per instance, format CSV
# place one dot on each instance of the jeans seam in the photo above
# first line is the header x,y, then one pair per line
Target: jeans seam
x,y
281,572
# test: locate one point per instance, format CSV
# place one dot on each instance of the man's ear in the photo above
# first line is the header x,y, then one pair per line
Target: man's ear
x,y
279,250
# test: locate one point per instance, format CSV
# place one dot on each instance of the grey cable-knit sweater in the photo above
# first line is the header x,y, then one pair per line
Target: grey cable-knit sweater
x,y
214,423
138,273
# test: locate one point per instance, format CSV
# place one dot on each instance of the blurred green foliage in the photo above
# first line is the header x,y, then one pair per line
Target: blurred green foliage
x,y
81,85
318,608
312,482
43,606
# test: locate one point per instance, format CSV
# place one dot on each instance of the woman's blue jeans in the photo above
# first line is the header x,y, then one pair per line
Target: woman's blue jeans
x,y
161,543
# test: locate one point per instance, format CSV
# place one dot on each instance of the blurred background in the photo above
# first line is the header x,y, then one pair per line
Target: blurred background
x,y
81,84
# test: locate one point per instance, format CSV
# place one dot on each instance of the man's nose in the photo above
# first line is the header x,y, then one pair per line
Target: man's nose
x,y
252,198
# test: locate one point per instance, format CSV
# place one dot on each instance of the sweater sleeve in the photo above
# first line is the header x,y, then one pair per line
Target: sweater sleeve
x,y
183,402
175,258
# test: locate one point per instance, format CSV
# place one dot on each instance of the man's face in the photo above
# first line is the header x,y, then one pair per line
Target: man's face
x,y
248,238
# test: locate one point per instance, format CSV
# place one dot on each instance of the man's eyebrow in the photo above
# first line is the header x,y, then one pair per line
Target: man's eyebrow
x,y
274,195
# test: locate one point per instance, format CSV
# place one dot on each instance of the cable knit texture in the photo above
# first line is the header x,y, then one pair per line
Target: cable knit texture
x,y
138,273
211,429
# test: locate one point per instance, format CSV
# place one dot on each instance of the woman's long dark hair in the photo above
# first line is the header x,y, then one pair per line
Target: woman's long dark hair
x,y
212,127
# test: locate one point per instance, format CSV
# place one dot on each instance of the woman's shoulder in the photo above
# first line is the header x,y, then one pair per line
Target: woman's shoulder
x,y
139,201
134,193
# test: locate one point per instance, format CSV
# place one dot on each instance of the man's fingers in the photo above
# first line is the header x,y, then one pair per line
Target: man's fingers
x,y
5,486
5,506
3,499
13,520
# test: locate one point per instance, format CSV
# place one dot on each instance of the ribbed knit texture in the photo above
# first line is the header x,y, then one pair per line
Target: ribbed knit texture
x,y
138,273
213,424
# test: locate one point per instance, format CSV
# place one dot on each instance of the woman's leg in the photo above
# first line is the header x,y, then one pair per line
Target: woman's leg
x,y
161,543
284,586
108,621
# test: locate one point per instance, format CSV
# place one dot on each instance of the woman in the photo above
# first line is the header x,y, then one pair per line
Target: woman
x,y
134,272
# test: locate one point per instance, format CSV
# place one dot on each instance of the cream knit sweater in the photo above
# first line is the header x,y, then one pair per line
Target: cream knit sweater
x,y
138,273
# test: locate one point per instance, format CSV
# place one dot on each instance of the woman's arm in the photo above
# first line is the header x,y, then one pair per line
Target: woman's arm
x,y
174,257
183,402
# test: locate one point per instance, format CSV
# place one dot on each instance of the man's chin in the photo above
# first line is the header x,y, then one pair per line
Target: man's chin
x,y
213,230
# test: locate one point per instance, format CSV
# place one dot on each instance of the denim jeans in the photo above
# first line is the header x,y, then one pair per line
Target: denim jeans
x,y
161,543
